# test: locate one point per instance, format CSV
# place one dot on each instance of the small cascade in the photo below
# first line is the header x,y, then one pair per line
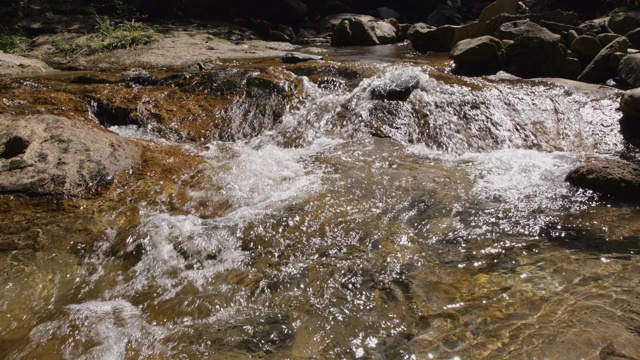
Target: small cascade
x,y
394,218
476,116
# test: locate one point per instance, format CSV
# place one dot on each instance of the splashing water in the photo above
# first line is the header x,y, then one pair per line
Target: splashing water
x,y
366,228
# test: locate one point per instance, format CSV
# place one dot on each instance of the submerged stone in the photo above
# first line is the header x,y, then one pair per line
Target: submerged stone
x,y
294,58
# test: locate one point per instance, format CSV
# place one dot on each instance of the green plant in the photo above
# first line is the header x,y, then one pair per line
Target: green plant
x,y
109,36
14,43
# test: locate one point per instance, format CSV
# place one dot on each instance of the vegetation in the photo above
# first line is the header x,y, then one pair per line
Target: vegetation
x,y
14,43
109,36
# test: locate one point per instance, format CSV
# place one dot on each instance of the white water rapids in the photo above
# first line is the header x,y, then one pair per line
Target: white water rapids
x,y
362,228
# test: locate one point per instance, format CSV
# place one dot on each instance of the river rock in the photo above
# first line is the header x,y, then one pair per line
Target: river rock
x,y
427,38
613,177
586,47
630,105
296,57
353,32
596,26
601,68
483,55
539,56
395,91
385,32
514,29
607,38
622,23
387,13
629,69
18,65
330,22
50,155
571,37
509,7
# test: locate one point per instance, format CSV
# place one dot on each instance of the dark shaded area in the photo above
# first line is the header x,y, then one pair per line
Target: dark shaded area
x,y
13,147
630,130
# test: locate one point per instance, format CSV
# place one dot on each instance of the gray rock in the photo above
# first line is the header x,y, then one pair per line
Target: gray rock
x,y
18,65
330,22
387,13
613,177
509,7
601,69
622,23
483,55
607,38
353,32
630,105
295,57
513,30
539,56
629,69
586,47
385,32
596,26
48,155
395,91
571,37
427,38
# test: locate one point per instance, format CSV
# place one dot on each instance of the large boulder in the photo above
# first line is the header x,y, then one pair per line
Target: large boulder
x,y
613,177
604,66
586,47
384,31
427,38
47,155
353,32
630,105
622,23
330,22
514,29
540,56
509,7
630,121
482,55
629,69
607,38
17,65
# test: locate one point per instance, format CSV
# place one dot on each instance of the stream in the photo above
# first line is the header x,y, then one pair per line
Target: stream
x,y
439,227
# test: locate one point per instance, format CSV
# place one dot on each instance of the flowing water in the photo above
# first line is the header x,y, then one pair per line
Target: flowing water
x,y
439,227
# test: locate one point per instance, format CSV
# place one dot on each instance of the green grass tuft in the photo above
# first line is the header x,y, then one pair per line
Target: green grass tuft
x,y
12,44
109,36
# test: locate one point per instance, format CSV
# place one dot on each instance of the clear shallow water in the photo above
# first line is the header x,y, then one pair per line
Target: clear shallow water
x,y
448,233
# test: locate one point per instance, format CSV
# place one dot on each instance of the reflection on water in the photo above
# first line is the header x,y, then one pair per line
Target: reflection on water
x,y
439,237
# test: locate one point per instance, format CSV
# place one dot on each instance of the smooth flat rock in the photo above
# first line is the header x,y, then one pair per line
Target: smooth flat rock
x,y
47,155
18,65
295,57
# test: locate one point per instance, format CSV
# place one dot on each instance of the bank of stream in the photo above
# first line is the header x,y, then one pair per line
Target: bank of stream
x,y
301,211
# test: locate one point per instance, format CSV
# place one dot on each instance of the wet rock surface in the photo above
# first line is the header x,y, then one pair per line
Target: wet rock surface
x,y
617,178
49,155
605,64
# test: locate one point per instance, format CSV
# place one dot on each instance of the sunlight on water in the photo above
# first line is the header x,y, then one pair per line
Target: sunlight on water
x,y
362,228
